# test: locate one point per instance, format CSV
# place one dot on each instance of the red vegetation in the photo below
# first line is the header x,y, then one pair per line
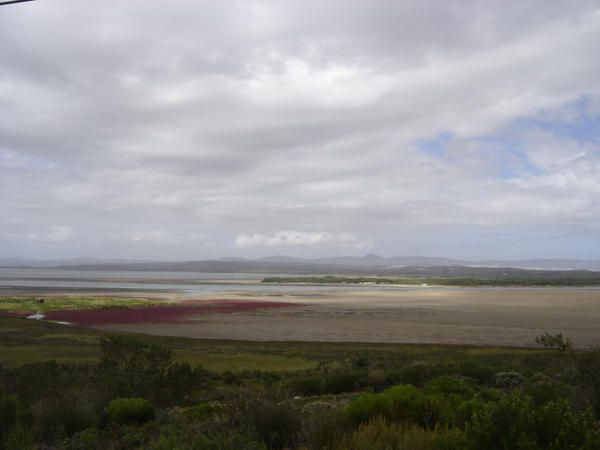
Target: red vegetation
x,y
166,313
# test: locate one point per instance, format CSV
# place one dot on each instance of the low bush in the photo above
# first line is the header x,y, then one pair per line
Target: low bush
x,y
367,406
179,439
406,403
380,434
509,380
19,438
203,411
543,389
66,414
418,374
277,424
343,381
89,439
515,423
306,386
448,384
130,411
323,425
9,413
376,379
451,439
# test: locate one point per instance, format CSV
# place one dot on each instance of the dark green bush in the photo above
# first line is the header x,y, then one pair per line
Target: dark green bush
x,y
203,411
515,423
509,380
406,403
65,414
185,439
323,425
505,425
451,439
132,368
543,389
89,439
418,374
560,427
448,384
481,371
465,411
343,381
9,407
277,424
309,385
366,406
554,341
130,410
19,438
381,434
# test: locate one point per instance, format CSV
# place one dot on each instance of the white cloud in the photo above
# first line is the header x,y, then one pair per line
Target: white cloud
x,y
302,239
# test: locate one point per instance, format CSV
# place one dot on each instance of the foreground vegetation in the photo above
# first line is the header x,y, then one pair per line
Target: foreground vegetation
x,y
141,392
441,281
31,305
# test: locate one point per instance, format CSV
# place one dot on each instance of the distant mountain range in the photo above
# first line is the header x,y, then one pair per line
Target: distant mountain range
x,y
370,263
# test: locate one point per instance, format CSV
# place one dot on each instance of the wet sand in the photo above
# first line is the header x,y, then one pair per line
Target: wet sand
x,y
489,316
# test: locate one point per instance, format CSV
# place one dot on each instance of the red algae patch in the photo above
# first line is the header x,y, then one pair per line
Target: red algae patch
x,y
157,314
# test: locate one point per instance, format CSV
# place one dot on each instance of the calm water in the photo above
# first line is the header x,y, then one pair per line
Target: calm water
x,y
32,281
39,281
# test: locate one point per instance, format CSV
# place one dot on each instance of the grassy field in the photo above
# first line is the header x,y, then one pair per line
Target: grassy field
x,y
24,341
31,305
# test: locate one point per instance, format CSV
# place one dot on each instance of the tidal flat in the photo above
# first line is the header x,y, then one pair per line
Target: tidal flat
x,y
486,316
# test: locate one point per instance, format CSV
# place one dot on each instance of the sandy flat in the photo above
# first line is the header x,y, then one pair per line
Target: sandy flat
x,y
490,316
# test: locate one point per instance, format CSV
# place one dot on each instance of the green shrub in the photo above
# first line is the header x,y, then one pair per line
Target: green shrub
x,y
88,439
322,424
130,410
451,439
417,374
306,386
277,424
367,406
448,384
342,381
464,412
380,434
9,408
543,389
406,403
73,411
376,379
508,380
514,423
560,427
481,371
203,411
185,439
19,438
132,368
554,341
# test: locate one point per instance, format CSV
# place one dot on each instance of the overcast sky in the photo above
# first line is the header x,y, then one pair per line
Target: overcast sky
x,y
192,130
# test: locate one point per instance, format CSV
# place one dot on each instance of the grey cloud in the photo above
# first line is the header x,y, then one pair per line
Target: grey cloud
x,y
183,125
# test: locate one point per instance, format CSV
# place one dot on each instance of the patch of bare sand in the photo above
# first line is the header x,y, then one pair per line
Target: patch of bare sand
x,y
511,317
